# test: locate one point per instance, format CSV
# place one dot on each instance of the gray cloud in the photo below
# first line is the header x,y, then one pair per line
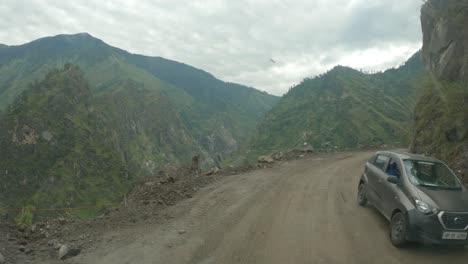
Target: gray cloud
x,y
234,40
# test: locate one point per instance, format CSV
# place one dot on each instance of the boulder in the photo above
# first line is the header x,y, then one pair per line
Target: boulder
x,y
212,171
67,252
63,251
308,149
167,180
22,248
150,184
265,159
278,156
52,242
62,220
2,259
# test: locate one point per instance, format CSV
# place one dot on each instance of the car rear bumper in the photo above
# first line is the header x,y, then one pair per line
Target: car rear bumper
x,y
428,229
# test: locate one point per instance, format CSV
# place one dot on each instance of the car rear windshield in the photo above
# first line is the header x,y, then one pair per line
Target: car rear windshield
x,y
431,175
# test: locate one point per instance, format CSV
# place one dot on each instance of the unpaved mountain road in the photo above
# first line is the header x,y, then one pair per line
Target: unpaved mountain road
x,y
301,211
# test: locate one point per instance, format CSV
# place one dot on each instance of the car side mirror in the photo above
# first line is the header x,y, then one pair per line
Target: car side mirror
x,y
393,179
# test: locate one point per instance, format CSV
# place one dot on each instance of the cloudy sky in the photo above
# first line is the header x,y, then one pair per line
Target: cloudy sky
x,y
267,44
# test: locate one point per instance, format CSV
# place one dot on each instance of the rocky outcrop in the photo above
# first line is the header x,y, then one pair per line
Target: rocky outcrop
x,y
441,114
265,159
445,30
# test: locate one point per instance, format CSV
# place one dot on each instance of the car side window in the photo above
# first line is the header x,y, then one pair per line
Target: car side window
x,y
381,161
392,168
372,159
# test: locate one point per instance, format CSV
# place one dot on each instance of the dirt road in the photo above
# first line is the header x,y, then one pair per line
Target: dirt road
x,y
301,211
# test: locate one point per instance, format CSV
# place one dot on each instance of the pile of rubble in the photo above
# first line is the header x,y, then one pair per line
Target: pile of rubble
x,y
268,160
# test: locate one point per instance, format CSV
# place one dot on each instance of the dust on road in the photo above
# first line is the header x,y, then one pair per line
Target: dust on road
x,y
301,211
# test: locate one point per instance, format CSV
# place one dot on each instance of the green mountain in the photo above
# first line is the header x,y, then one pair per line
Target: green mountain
x,y
343,108
57,149
441,115
147,112
219,115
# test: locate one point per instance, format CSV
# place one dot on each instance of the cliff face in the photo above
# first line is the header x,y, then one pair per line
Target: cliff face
x,y
445,44
441,114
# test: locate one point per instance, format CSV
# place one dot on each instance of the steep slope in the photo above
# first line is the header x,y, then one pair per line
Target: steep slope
x,y
85,133
441,115
150,130
220,116
344,108
57,150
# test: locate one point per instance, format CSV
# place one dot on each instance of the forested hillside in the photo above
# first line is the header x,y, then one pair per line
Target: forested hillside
x,y
344,108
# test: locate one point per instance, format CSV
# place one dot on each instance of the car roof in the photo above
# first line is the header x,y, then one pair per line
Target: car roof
x,y
409,156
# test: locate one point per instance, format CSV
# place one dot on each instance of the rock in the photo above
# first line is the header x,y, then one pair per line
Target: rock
x,y
308,149
278,156
33,228
168,180
22,248
301,156
58,246
212,171
265,159
2,259
62,220
63,251
445,39
52,242
67,252
28,250
182,231
46,234
149,184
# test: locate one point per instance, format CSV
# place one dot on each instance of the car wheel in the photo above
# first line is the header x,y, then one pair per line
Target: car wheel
x,y
362,194
398,230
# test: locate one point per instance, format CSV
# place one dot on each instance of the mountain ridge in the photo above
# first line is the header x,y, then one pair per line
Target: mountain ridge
x,y
158,112
343,108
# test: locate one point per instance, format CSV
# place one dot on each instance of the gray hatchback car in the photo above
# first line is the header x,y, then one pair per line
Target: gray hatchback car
x,y
420,196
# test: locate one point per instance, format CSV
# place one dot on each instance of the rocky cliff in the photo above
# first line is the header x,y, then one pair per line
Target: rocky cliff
x,y
441,115
445,30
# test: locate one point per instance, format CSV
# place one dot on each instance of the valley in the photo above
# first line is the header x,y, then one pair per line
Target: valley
x,y
107,156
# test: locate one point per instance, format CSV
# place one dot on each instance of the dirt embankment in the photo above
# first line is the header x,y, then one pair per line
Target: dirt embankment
x,y
144,205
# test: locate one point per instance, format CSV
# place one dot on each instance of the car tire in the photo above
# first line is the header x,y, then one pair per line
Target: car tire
x,y
399,230
362,194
